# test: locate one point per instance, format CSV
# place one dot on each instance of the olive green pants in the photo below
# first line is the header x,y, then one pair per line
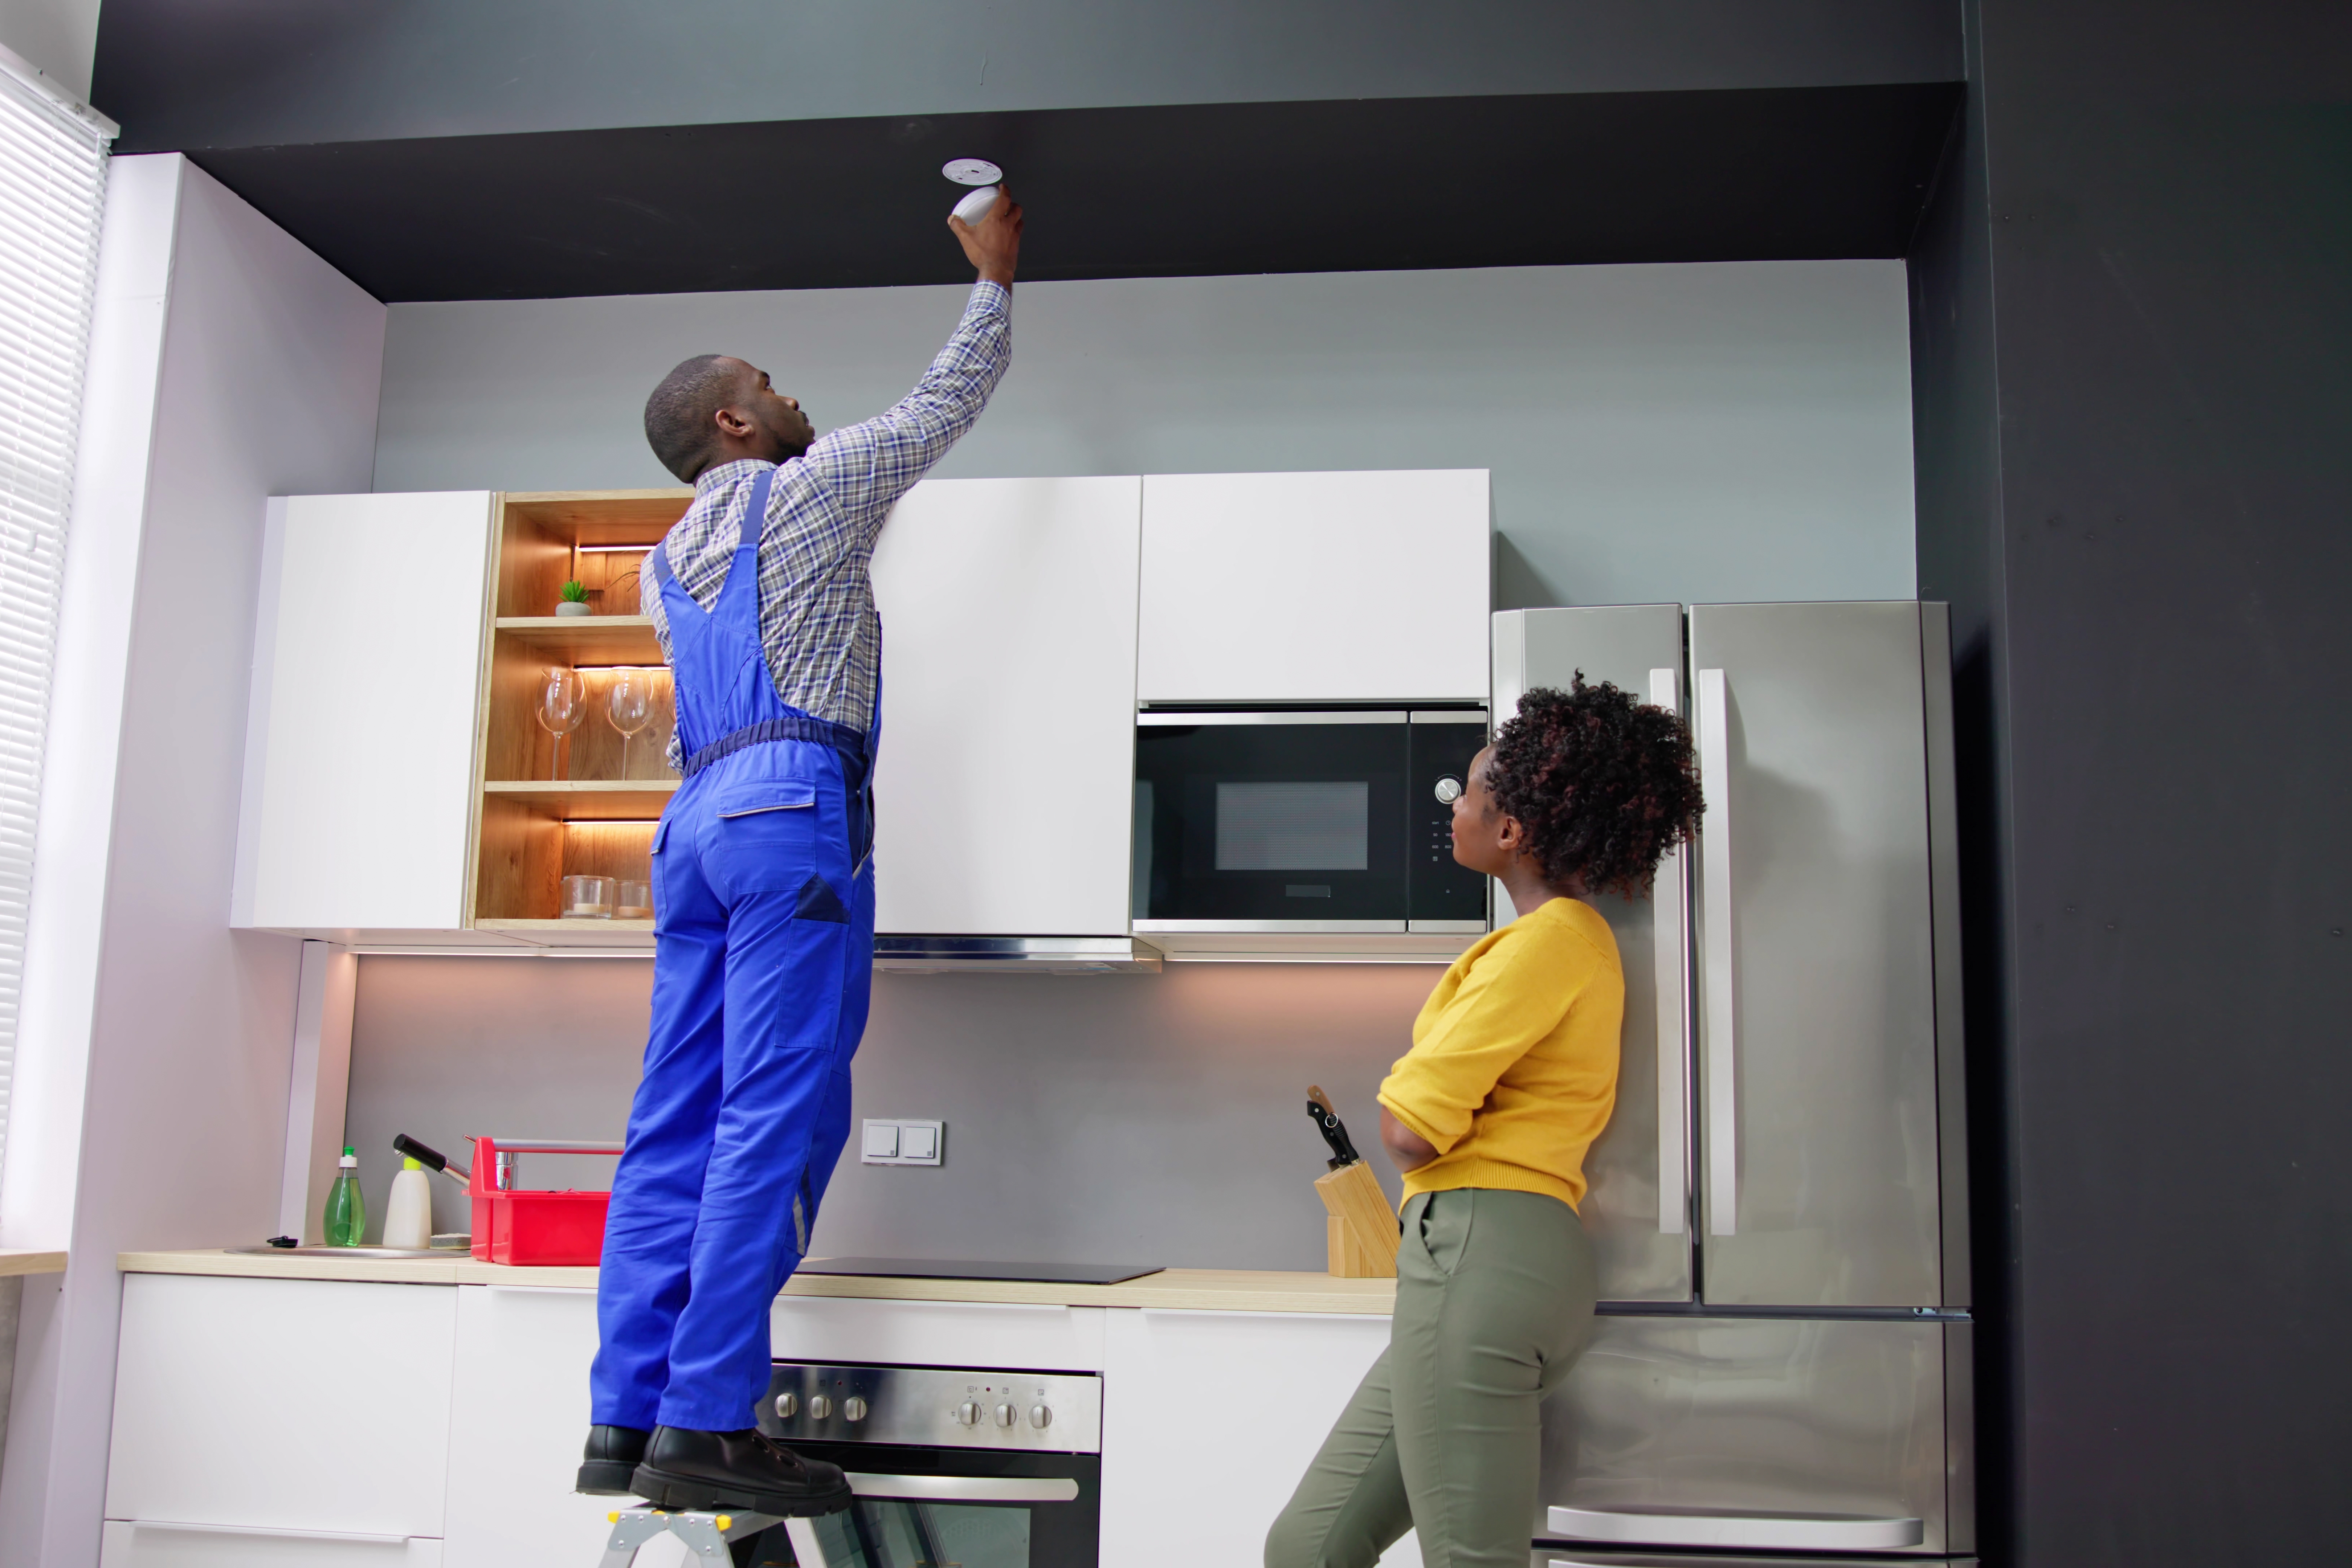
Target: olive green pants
x,y
1494,1302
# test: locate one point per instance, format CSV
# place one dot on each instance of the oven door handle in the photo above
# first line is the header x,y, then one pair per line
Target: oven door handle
x,y
967,1489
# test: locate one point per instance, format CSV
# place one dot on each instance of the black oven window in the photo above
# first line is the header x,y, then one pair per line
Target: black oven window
x,y
1286,826
890,1534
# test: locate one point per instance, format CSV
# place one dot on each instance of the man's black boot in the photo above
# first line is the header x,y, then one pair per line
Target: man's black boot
x,y
613,1456
748,1469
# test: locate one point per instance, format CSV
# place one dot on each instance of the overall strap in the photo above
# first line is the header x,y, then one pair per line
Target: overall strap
x,y
755,522
755,529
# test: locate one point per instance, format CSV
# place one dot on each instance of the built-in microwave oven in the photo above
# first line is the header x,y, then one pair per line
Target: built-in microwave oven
x,y
1334,820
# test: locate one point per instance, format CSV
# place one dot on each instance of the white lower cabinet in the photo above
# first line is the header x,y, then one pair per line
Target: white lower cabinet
x,y
328,1424
1209,1421
255,1418
516,1428
139,1543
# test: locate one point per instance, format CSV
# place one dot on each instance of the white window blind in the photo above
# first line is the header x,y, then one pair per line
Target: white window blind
x,y
53,155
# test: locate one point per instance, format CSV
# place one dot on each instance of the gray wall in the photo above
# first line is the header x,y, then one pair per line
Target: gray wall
x,y
1716,432
2137,503
1156,1119
1697,433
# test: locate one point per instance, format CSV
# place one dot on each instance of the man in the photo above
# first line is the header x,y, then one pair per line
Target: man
x,y
764,922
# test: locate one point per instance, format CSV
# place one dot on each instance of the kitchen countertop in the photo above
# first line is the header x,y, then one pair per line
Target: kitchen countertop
x,y
1179,1289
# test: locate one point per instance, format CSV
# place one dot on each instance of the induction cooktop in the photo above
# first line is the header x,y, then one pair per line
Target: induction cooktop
x,y
950,1269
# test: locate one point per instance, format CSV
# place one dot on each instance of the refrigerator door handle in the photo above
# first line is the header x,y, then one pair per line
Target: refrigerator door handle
x,y
1670,915
1717,996
1725,1528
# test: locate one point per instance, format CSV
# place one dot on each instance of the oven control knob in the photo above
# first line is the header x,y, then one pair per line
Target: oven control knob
x,y
1006,1415
1449,790
819,1407
853,1408
787,1406
968,1412
1041,1415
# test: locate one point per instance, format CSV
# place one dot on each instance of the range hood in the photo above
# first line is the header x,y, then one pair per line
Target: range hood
x,y
1028,955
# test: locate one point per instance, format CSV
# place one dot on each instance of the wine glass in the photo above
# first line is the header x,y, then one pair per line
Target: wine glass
x,y
630,706
562,703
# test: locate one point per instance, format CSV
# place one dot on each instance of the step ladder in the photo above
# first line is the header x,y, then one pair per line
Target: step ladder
x,y
706,1535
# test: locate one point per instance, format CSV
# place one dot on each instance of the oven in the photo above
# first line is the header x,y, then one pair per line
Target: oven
x,y
977,1469
1335,820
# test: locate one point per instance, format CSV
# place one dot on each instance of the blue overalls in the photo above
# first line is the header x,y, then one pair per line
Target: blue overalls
x,y
763,965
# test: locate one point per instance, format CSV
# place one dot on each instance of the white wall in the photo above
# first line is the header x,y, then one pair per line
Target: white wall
x,y
1719,432
57,37
229,363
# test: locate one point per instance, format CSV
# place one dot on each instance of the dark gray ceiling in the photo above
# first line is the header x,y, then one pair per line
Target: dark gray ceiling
x,y
441,150
1283,187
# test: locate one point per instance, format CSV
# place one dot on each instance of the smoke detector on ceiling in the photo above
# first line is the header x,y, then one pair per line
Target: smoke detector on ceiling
x,y
976,171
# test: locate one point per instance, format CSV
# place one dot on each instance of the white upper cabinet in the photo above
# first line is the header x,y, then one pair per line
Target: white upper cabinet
x,y
1007,763
1315,587
359,740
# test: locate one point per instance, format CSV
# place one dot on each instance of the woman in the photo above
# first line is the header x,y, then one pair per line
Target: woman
x,y
1512,1075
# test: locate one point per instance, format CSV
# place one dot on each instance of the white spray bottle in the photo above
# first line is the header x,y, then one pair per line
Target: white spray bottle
x,y
408,1218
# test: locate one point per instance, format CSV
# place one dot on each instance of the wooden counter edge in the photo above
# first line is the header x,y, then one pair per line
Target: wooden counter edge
x,y
1173,1289
29,1261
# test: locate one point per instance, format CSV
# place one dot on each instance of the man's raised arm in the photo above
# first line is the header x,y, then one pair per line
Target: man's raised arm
x,y
868,467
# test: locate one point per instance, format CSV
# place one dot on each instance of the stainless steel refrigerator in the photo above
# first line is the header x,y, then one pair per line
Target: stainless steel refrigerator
x,y
1782,1362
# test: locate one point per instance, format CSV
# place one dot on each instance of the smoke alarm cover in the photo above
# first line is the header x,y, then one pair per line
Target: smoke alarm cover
x,y
972,171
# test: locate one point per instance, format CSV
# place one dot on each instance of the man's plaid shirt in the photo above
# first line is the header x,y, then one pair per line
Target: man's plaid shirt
x,y
817,623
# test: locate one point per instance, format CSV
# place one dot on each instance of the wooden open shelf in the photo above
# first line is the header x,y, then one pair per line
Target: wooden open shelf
x,y
588,800
533,828
583,640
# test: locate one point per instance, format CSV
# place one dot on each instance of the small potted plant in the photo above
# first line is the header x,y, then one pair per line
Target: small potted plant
x,y
574,600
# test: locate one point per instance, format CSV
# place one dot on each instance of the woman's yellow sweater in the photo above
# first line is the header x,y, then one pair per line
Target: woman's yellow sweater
x,y
1513,1070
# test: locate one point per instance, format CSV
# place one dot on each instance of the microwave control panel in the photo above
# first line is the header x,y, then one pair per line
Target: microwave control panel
x,y
1440,744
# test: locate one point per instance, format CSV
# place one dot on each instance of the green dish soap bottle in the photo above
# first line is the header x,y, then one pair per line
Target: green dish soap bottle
x,y
346,1208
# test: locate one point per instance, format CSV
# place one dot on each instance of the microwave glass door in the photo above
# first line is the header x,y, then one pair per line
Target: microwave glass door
x,y
1338,821
1250,818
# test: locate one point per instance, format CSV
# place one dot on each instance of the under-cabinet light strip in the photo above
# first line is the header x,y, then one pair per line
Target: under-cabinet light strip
x,y
518,949
611,548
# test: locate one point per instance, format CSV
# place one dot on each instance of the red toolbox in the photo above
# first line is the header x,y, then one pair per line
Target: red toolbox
x,y
542,1229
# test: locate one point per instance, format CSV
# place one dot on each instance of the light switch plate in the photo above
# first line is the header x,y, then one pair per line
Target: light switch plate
x,y
903,1141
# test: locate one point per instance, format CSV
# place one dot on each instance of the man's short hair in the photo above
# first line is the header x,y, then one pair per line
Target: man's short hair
x,y
678,416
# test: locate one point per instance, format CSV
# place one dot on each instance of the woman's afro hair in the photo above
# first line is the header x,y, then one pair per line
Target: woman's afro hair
x,y
1603,786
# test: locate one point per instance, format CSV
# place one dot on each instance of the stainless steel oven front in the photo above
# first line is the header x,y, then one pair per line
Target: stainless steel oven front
x,y
1330,820
981,1468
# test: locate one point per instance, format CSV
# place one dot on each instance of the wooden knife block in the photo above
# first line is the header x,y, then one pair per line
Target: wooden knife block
x,y
1361,1234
